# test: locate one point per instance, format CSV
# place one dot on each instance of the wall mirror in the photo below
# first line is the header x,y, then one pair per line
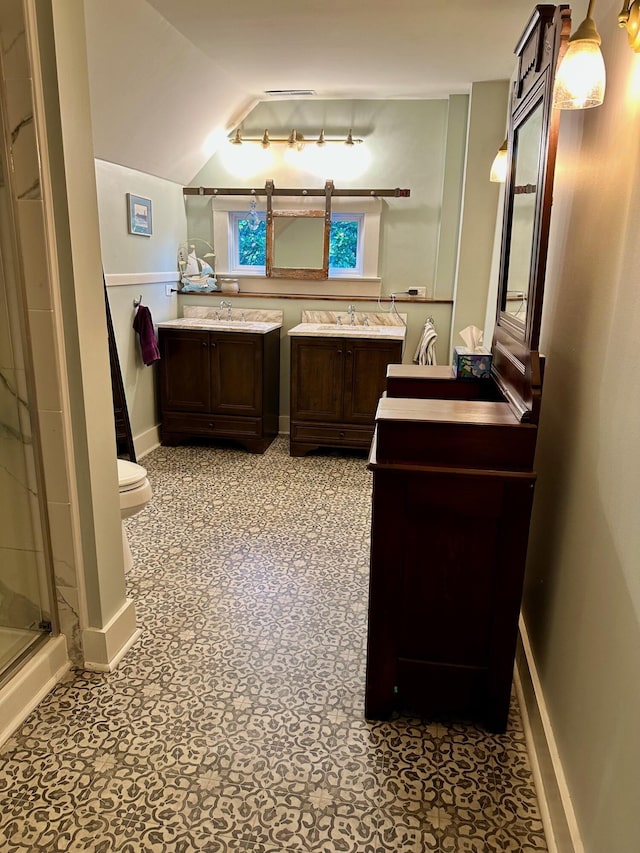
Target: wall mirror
x,y
298,240
532,135
526,152
297,244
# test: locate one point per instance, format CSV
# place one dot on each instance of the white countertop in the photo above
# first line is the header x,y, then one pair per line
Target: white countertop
x,y
211,325
333,330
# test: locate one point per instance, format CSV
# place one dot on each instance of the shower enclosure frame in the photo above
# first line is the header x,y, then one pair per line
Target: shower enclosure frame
x,y
49,624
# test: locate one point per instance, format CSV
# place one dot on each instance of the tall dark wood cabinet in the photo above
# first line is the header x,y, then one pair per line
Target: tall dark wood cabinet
x,y
335,387
218,384
453,481
453,463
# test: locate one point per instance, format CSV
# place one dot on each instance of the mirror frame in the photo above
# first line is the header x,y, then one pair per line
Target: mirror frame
x,y
317,273
516,361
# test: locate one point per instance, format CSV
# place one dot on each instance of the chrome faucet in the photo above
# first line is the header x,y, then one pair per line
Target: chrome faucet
x,y
352,315
227,305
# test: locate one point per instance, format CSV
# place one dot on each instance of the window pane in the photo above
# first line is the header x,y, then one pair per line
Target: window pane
x,y
343,244
251,244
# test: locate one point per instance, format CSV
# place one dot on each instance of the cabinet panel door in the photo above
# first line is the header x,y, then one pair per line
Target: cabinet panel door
x,y
365,376
316,379
184,371
236,382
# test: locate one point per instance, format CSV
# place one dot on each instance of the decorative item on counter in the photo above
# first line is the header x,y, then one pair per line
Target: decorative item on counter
x,y
196,273
229,285
253,219
472,361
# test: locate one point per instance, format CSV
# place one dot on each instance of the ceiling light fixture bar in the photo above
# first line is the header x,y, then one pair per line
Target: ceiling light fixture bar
x,y
294,139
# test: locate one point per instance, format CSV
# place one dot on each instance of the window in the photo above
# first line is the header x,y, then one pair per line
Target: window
x,y
345,244
247,246
241,252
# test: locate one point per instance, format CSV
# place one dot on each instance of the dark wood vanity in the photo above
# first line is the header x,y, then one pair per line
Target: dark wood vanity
x,y
219,384
453,464
335,387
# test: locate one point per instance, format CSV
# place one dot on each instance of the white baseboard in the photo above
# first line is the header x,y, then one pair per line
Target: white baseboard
x,y
30,685
556,808
105,647
284,424
147,441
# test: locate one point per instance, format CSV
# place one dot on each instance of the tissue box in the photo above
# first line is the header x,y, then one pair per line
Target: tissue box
x,y
471,364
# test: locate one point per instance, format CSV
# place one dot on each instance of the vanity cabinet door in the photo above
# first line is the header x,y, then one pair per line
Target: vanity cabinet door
x,y
184,371
365,370
317,380
236,373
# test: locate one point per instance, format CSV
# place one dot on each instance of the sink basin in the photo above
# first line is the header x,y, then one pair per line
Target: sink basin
x,y
357,330
333,330
213,325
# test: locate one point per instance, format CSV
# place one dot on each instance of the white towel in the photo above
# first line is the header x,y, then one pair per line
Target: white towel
x,y
426,351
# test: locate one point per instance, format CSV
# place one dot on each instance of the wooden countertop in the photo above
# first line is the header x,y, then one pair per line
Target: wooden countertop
x,y
446,411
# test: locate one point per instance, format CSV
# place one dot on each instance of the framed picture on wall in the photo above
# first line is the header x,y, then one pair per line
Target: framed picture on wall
x,y
139,215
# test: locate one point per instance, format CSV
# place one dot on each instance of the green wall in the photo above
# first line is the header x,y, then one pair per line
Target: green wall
x,y
124,253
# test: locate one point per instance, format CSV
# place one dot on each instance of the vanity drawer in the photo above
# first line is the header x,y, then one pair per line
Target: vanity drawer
x,y
204,425
335,434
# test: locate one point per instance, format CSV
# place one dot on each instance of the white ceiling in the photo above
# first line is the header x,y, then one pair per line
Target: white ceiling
x,y
168,74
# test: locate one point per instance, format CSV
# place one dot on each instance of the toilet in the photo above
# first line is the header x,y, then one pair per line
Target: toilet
x,y
135,494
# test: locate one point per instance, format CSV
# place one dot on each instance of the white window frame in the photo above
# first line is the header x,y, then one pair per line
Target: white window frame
x,y
350,272
233,249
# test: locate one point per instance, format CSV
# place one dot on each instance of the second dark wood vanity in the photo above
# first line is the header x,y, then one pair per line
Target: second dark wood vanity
x,y
335,386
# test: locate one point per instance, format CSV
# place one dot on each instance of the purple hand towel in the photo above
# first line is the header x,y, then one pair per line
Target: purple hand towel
x,y
143,324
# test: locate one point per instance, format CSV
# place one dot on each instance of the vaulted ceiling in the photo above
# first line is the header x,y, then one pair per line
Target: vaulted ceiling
x,y
170,78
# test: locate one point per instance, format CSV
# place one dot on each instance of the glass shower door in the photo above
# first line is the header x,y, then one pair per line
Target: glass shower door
x,y
26,609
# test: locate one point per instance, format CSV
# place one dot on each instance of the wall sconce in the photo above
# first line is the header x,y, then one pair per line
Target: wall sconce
x,y
581,78
498,173
629,19
294,140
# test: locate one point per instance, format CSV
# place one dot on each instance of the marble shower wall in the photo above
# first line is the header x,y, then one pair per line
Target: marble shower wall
x,y
28,273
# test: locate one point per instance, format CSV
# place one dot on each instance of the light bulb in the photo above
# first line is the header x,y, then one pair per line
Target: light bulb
x,y
498,173
581,79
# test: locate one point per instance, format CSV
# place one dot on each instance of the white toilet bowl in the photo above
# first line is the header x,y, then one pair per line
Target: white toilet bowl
x,y
135,494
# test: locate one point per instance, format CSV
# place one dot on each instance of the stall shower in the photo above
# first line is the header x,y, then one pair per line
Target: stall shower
x,y
27,614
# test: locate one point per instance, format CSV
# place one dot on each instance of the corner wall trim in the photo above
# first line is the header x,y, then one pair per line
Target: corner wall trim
x,y
115,279
105,647
558,816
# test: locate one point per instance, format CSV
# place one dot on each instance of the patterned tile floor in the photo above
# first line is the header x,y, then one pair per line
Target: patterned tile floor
x,y
235,723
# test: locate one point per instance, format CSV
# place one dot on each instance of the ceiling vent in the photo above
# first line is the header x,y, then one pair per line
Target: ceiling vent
x,y
289,93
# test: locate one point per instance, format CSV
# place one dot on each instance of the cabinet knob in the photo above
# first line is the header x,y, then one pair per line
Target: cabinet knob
x,y
349,352
213,344
339,352
204,343
211,425
341,434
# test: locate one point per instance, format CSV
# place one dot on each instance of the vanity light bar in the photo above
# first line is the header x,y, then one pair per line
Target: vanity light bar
x,y
294,140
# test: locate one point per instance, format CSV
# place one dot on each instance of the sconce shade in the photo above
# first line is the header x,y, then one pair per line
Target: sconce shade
x,y
498,173
581,78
